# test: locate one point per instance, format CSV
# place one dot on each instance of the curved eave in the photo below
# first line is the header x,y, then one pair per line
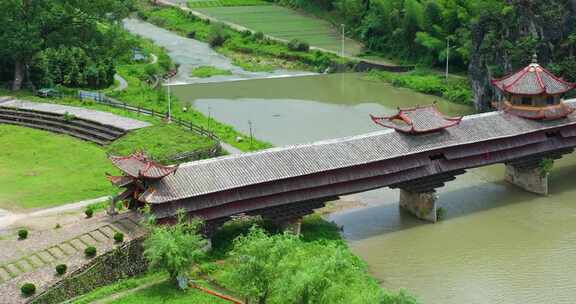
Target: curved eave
x,y
410,129
544,90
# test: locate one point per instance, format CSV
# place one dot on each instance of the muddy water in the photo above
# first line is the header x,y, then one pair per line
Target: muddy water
x,y
498,244
190,54
303,109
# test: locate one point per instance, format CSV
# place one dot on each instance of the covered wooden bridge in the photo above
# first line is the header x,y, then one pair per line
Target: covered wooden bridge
x,y
420,152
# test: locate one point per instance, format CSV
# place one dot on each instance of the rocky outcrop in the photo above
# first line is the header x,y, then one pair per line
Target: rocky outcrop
x,y
504,38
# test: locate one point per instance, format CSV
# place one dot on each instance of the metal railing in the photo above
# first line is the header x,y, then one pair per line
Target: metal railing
x,y
103,99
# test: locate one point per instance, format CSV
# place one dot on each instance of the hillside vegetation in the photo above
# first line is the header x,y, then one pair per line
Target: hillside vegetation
x,y
488,38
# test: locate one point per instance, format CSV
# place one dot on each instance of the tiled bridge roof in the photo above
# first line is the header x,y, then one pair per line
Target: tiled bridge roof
x,y
214,182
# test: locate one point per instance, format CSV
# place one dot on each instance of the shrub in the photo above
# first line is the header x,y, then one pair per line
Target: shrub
x,y
246,33
191,34
58,226
119,237
90,252
89,212
297,45
28,289
259,36
217,36
61,269
22,234
440,213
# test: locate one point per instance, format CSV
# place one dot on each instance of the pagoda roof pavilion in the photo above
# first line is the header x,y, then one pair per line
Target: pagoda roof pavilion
x,y
138,165
533,80
420,119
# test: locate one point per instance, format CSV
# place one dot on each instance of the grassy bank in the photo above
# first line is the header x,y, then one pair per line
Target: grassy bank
x,y
227,40
139,92
456,90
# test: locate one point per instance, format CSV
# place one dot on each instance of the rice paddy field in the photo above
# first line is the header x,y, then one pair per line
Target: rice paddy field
x,y
283,23
220,3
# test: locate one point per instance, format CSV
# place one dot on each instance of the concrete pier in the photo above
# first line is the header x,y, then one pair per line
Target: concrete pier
x,y
292,225
420,204
529,179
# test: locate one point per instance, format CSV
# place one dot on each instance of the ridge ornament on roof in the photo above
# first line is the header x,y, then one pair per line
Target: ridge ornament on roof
x,y
534,93
417,120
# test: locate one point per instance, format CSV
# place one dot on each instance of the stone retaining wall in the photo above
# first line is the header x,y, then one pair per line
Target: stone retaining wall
x,y
364,66
123,262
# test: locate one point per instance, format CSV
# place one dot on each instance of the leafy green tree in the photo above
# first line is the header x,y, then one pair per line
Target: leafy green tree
x,y
174,248
284,269
256,257
29,27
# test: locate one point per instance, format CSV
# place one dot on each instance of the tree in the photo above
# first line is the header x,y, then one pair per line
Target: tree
x,y
284,269
175,248
29,27
256,258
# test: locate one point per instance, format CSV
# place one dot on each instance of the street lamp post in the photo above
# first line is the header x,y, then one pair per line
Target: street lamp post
x,y
169,118
447,56
343,38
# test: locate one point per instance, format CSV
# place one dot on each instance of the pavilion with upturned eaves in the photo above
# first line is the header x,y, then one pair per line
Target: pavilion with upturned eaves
x,y
534,93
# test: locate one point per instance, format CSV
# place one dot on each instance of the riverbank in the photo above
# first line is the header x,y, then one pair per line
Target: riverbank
x,y
213,271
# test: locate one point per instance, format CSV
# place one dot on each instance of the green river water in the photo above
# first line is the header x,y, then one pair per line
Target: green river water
x,y
498,244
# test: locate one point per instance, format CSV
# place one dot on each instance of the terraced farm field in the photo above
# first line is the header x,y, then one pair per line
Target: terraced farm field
x,y
284,23
220,3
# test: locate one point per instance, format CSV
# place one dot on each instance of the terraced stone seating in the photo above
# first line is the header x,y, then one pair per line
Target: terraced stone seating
x,y
84,129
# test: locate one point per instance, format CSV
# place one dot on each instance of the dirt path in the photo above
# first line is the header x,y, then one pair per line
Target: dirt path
x,y
122,83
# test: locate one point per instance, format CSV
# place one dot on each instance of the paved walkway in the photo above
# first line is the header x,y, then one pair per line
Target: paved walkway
x,y
122,83
104,118
8,218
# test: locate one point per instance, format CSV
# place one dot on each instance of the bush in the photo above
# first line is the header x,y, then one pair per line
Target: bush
x,y
89,212
28,289
191,34
119,237
217,36
246,33
297,45
90,252
22,234
259,36
61,269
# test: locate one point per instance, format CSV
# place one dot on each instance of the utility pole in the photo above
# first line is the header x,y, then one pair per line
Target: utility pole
x,y
169,103
447,56
209,117
343,38
251,135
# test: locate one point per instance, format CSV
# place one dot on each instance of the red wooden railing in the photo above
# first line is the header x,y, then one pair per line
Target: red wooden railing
x,y
216,294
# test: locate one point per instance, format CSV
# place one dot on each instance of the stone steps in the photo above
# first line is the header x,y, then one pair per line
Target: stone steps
x,y
58,253
79,128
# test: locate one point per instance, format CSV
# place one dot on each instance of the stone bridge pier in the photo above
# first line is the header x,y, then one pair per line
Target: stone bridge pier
x,y
289,217
419,196
528,173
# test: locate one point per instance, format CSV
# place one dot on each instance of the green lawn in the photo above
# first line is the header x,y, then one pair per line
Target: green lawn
x,y
42,169
166,293
161,141
284,23
157,290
